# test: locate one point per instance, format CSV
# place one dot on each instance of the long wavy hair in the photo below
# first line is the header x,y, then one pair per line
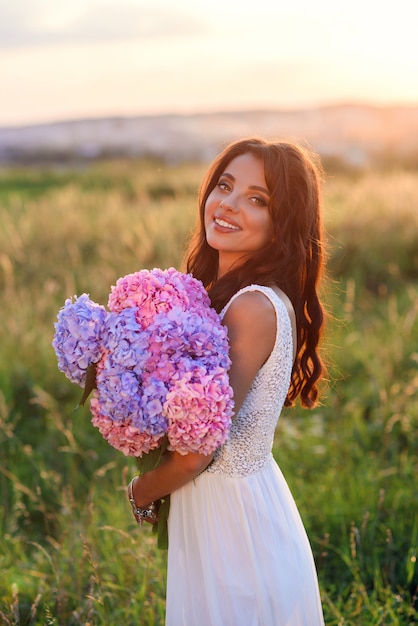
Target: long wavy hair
x,y
293,260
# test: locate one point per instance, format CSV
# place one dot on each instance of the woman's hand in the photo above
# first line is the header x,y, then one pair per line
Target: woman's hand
x,y
148,513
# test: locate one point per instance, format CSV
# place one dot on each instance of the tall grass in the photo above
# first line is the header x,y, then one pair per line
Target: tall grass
x,y
70,552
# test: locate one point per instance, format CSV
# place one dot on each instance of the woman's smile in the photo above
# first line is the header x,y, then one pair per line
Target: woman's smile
x,y
224,224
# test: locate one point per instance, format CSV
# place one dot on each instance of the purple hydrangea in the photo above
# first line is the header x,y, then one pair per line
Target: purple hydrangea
x,y
77,340
161,358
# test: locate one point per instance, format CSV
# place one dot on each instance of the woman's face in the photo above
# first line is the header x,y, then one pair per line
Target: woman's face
x,y
237,219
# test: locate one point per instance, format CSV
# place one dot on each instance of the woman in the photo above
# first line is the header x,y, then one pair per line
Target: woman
x,y
238,552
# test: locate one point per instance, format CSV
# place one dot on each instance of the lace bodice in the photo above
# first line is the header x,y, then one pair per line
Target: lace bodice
x,y
250,442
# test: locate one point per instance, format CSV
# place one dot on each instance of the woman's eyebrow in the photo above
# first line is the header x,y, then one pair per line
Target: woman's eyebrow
x,y
263,189
254,187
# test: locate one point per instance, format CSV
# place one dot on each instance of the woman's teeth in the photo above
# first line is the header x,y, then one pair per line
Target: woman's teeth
x,y
225,224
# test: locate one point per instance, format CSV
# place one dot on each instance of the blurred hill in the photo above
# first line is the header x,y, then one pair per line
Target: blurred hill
x,y
356,135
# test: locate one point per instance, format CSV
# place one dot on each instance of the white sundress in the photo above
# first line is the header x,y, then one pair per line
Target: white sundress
x,y
238,552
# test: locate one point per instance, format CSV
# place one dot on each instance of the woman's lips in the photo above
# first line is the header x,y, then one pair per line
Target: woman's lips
x,y
225,224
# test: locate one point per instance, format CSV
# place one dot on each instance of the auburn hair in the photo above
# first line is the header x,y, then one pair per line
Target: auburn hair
x,y
293,260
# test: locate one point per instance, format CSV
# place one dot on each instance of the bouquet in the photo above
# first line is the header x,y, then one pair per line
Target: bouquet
x,y
157,363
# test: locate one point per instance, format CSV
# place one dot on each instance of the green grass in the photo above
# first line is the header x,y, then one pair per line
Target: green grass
x,y
352,464
70,551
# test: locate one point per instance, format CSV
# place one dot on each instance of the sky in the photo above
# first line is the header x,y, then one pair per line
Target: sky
x,y
92,58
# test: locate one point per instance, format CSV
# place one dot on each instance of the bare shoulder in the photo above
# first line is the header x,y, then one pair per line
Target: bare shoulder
x,y
251,323
252,315
251,306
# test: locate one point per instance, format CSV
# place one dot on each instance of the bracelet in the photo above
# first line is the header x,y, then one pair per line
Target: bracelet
x,y
141,513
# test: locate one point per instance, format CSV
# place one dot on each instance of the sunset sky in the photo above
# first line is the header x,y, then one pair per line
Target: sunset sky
x,y
89,58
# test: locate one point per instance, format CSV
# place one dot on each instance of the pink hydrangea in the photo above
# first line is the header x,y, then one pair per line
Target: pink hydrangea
x,y
122,436
162,363
199,411
157,291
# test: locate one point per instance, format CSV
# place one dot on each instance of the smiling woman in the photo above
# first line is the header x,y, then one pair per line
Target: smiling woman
x,y
237,549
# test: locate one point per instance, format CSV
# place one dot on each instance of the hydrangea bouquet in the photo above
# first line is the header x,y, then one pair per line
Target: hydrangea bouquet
x,y
157,363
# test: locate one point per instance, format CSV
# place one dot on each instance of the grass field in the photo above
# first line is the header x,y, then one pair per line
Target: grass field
x,y
70,551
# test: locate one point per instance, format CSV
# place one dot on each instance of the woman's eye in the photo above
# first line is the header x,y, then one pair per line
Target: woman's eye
x,y
258,200
223,185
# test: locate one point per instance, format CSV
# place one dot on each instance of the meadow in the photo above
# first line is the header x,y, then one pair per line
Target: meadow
x,y
70,551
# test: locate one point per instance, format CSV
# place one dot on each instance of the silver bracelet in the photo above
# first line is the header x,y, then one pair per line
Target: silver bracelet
x,y
141,512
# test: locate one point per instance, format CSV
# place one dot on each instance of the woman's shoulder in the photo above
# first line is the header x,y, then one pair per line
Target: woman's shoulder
x,y
251,300
252,330
259,309
252,311
258,299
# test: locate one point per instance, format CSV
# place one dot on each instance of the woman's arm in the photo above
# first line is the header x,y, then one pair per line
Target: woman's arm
x,y
174,471
251,324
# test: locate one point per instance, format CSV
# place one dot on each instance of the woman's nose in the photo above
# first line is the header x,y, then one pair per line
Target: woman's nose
x,y
230,204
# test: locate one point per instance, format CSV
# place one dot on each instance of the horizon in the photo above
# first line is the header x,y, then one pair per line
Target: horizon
x,y
202,113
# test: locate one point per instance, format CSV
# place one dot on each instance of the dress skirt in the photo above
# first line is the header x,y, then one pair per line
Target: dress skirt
x,y
239,554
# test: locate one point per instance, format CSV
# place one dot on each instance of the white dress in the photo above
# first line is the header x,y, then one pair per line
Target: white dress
x,y
238,552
